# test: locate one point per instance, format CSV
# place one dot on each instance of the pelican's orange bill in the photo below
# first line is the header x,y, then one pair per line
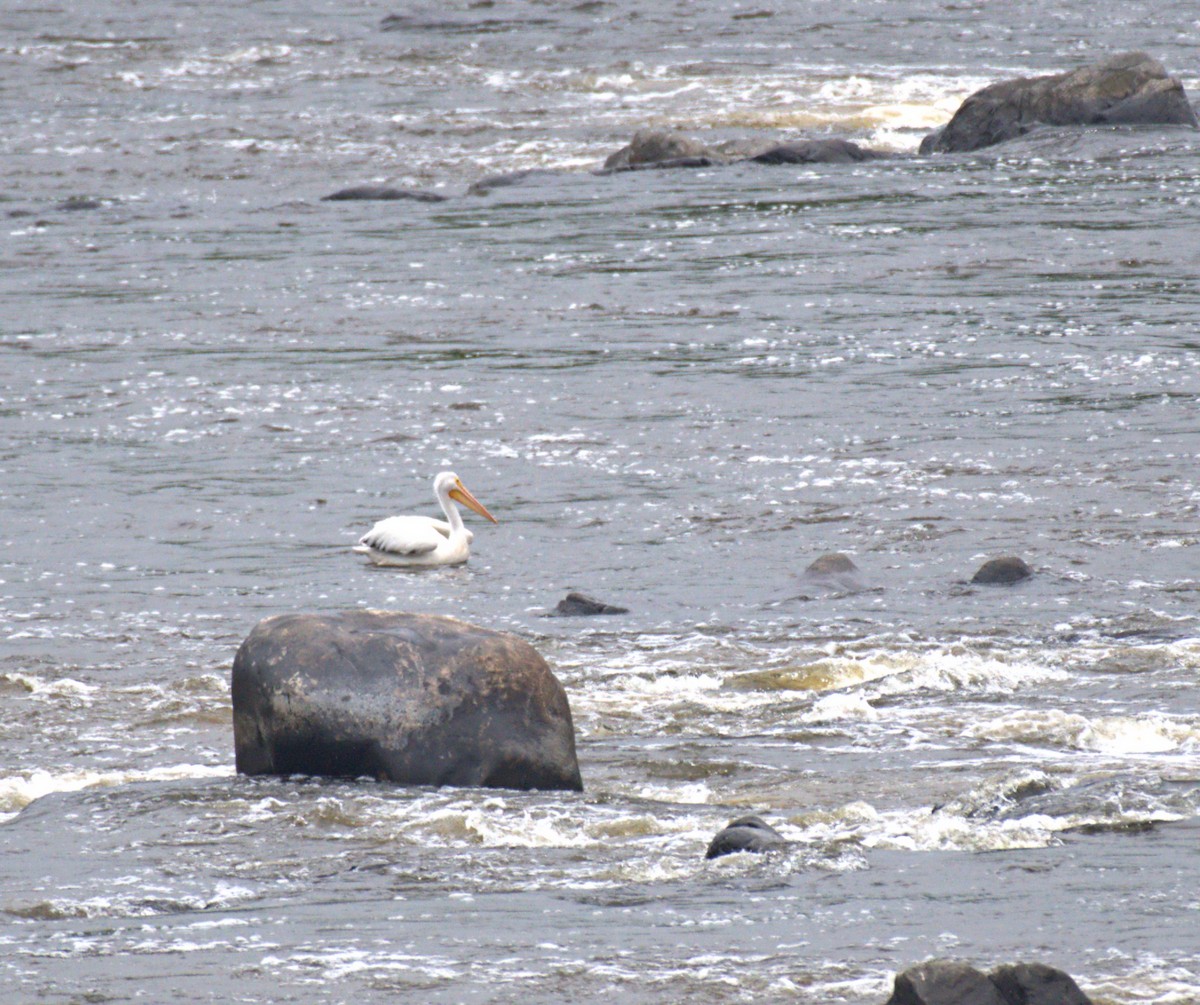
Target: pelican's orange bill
x,y
460,494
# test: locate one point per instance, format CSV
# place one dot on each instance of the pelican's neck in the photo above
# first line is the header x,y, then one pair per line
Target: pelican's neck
x,y
453,517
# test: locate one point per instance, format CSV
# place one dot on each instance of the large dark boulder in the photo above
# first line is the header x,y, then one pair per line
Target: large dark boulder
x,y
1128,89
410,698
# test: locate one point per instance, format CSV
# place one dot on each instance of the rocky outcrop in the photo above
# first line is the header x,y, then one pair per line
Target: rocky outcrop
x,y
749,833
1003,571
410,698
576,605
952,982
1129,89
652,148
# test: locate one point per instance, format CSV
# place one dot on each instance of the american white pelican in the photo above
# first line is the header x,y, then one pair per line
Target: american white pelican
x,y
422,540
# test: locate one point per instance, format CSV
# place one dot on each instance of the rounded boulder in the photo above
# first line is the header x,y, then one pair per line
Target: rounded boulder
x,y
411,698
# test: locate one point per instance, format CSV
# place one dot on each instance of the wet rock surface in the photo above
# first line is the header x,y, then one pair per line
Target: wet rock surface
x,y
410,698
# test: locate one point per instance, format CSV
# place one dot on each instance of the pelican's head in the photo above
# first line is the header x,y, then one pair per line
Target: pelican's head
x,y
449,485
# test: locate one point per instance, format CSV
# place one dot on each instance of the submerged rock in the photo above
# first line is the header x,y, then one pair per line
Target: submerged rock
x,y
77,203
834,571
410,698
509,179
823,151
749,833
1002,571
382,193
575,605
1128,89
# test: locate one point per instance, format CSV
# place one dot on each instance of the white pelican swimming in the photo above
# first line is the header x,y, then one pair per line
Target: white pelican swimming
x,y
422,540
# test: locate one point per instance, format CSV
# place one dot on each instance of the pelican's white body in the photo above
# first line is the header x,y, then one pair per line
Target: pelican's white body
x,y
422,540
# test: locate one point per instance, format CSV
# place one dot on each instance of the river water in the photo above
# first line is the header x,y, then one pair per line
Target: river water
x,y
675,389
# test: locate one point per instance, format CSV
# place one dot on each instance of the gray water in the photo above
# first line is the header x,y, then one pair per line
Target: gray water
x,y
675,389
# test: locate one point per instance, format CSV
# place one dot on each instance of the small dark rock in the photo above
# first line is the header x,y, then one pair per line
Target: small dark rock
x,y
1037,984
656,148
944,982
580,605
79,203
699,161
1002,571
826,151
381,193
749,833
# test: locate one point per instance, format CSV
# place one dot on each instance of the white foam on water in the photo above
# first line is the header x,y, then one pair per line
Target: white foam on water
x,y
923,830
1151,981
491,826
841,707
957,668
1116,735
691,681
19,790
143,900
62,687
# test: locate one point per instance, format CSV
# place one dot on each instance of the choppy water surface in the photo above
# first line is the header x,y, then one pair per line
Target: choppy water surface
x,y
675,390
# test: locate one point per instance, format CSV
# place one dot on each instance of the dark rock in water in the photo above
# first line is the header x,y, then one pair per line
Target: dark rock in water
x,y
1128,89
78,203
381,192
576,605
509,179
834,571
410,22
830,564
750,833
410,698
952,982
1037,984
826,151
944,982
700,161
442,18
655,148
1002,571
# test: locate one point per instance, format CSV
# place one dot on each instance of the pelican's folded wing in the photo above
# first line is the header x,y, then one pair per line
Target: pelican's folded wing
x,y
403,535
